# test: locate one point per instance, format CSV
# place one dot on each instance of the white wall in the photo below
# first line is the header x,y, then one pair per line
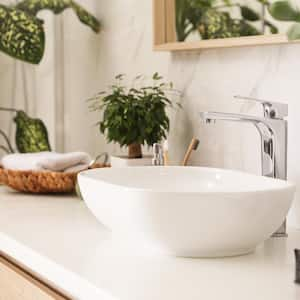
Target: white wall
x,y
209,79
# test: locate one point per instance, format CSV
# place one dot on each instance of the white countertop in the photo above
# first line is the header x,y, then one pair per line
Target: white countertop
x,y
60,241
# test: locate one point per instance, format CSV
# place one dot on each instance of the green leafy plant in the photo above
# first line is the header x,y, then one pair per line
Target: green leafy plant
x,y
214,20
22,34
134,116
31,134
284,10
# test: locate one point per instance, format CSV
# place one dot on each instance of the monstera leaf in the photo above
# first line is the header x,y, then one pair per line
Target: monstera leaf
x,y
21,35
32,7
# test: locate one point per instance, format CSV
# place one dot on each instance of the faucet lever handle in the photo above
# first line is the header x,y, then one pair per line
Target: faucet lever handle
x,y
272,110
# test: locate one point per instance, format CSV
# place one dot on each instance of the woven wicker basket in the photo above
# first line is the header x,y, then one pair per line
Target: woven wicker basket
x,y
41,182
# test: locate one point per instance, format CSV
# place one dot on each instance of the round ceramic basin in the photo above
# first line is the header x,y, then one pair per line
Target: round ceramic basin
x,y
188,211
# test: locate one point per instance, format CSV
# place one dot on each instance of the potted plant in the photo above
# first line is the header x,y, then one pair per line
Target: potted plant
x,y
134,116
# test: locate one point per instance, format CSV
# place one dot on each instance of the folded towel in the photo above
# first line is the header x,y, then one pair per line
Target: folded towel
x,y
47,161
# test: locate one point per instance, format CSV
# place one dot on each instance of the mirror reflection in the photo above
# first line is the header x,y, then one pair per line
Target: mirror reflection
x,y
214,19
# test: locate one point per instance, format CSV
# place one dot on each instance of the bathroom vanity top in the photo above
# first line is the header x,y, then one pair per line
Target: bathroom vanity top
x,y
58,240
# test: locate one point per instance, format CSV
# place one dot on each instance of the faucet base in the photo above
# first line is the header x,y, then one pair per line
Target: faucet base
x,y
281,232
279,235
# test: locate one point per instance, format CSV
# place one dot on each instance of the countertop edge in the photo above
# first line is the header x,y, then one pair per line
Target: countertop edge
x,y
50,272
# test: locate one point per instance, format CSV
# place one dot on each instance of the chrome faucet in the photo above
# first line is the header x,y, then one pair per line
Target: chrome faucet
x,y
273,131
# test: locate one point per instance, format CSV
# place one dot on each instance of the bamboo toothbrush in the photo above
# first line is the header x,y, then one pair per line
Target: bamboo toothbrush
x,y
166,153
192,147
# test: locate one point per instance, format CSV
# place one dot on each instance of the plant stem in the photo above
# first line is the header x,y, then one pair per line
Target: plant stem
x,y
10,148
13,94
8,109
25,86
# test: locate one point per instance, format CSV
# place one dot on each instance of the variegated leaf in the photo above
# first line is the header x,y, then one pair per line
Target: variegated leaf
x,y
21,35
57,6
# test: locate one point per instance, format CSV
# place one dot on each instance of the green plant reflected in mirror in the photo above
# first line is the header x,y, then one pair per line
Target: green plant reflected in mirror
x,y
192,24
213,19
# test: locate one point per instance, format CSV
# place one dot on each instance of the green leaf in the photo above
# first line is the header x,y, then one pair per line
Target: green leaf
x,y
31,134
21,35
57,6
156,76
219,24
249,14
294,32
284,11
120,76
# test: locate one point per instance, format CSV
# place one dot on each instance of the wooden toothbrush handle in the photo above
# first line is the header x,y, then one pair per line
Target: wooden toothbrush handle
x,y
194,143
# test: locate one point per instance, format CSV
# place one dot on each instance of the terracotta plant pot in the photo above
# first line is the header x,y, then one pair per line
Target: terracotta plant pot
x,y
135,151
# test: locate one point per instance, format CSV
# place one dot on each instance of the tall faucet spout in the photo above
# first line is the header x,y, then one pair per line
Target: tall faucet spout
x,y
273,133
213,116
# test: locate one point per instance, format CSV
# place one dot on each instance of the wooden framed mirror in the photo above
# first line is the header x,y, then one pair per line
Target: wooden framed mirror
x,y
176,27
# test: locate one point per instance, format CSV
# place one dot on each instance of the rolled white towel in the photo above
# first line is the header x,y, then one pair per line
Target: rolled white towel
x,y
47,161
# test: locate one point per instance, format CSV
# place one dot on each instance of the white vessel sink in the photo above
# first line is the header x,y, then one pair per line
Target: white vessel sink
x,y
188,211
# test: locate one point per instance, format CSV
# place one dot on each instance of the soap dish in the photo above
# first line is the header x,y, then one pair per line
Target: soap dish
x,y
37,182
